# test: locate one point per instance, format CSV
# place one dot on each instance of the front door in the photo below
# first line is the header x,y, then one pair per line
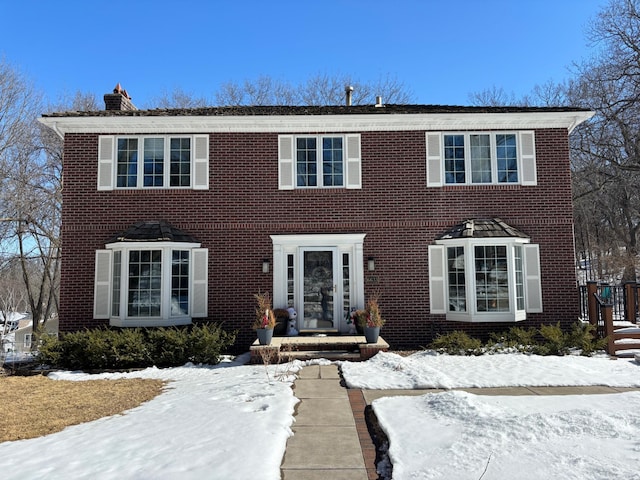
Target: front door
x,y
321,276
319,289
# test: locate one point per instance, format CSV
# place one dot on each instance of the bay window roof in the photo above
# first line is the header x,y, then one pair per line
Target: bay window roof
x,y
482,228
152,231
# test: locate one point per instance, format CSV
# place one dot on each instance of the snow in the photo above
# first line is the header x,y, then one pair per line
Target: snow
x,y
430,370
455,434
227,422
232,421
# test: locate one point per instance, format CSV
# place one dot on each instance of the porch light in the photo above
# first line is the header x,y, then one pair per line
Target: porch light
x,y
371,264
265,265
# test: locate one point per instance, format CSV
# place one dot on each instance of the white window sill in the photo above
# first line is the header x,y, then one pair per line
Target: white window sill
x,y
149,322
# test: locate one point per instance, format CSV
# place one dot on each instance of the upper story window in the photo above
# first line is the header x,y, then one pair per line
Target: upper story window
x,y
153,162
476,158
317,161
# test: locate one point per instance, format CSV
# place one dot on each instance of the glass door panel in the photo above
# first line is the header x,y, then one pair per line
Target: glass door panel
x,y
319,289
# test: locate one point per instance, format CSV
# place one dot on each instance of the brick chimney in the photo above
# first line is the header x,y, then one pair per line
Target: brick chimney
x,y
118,100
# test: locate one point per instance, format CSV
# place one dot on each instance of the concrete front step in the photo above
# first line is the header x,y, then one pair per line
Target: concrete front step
x,y
337,347
313,354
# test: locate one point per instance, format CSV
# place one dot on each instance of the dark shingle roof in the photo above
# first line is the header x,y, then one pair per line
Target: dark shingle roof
x,y
311,110
482,228
152,231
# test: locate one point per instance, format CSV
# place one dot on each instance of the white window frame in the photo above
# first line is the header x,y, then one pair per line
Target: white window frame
x,y
108,162
103,287
439,280
351,162
525,151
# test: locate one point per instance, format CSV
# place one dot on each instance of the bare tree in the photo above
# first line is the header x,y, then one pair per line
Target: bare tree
x,y
606,150
178,98
320,89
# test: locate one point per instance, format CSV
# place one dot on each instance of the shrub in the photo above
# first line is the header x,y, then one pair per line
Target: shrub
x,y
547,340
457,343
582,337
521,339
207,342
169,346
105,348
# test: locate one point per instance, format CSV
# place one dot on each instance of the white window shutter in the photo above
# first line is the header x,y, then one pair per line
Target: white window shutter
x,y
201,162
353,177
532,284
528,158
102,284
437,277
199,282
286,173
106,161
434,159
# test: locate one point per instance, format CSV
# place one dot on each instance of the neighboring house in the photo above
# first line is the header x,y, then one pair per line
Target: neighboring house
x,y
457,217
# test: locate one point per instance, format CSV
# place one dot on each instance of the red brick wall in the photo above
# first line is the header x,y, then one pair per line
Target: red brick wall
x,y
399,214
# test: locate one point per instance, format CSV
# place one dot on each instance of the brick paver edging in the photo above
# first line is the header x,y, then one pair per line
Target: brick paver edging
x,y
358,406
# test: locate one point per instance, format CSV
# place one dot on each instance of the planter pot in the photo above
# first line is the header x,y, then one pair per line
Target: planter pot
x,y
371,334
264,335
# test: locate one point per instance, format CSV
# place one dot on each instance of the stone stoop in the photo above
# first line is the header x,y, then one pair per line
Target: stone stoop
x,y
340,347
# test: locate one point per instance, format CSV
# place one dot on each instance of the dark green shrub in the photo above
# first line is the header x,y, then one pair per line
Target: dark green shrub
x,y
104,348
49,350
554,341
582,337
207,342
128,348
521,339
169,346
457,343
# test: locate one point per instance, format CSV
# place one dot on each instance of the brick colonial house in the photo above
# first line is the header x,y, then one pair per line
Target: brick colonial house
x,y
457,217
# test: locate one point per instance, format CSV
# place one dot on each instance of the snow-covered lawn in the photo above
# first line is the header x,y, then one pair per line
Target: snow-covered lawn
x,y
223,422
458,435
232,422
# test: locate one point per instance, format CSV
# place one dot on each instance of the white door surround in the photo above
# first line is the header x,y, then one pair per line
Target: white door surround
x,y
344,252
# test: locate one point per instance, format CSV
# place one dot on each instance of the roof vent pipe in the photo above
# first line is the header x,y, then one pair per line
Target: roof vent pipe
x,y
348,90
379,101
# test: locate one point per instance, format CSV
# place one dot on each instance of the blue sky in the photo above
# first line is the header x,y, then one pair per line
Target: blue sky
x,y
441,50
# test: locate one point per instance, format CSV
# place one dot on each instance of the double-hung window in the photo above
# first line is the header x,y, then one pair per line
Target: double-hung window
x,y
319,161
153,162
150,283
477,158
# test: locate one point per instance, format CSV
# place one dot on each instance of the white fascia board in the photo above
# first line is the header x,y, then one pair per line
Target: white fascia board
x,y
144,124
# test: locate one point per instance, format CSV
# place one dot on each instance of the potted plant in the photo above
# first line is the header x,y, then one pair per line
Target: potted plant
x,y
265,320
371,320
357,320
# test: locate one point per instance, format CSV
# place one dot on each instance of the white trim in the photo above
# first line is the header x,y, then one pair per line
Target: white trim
x,y
102,284
351,243
198,161
150,124
525,158
472,315
197,286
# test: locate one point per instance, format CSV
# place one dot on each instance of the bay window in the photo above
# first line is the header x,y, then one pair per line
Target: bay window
x,y
150,283
484,279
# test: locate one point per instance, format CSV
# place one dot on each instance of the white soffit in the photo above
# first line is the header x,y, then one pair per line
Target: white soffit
x,y
142,124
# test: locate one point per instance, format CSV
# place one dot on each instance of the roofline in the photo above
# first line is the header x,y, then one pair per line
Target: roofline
x,y
144,124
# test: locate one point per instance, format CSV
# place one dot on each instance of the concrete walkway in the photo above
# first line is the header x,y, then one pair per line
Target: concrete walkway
x,y
325,443
331,439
